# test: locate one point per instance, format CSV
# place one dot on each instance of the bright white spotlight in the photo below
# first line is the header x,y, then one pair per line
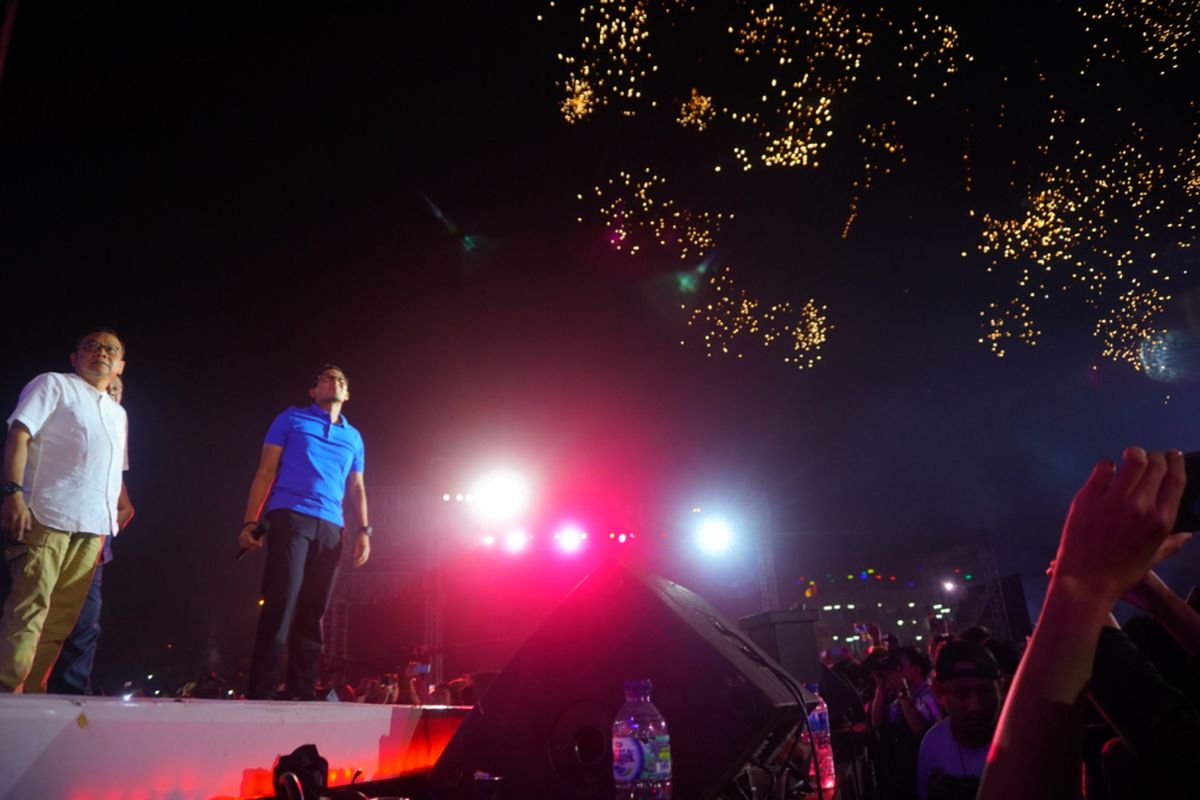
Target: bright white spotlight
x,y
570,538
499,497
948,586
489,540
515,542
715,536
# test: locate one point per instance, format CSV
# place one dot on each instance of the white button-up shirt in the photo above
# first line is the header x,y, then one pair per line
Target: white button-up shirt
x,y
79,447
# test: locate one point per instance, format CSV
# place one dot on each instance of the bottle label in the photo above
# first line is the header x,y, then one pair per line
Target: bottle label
x,y
658,759
627,759
637,760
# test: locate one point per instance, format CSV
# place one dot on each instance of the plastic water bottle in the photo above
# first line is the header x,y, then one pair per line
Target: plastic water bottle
x,y
818,722
641,747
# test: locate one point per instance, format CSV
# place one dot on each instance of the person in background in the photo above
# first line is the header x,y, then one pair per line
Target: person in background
x,y
72,673
1119,526
954,751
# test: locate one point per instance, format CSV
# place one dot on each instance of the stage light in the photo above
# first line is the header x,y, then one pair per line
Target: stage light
x,y
948,586
499,497
489,540
622,538
516,541
715,536
570,538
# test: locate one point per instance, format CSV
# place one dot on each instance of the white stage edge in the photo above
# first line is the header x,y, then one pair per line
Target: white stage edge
x,y
54,747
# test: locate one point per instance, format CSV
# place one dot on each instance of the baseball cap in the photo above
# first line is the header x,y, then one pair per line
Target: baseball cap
x,y
963,659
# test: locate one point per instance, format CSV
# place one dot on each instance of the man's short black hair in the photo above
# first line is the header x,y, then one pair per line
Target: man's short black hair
x,y
101,329
322,370
915,657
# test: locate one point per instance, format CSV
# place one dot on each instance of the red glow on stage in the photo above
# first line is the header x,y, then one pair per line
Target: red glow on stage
x,y
570,538
516,541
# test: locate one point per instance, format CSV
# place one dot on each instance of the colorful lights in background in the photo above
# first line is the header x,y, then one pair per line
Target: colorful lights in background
x,y
1107,195
871,577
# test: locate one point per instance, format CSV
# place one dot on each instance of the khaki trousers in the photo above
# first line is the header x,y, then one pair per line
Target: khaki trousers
x,y
51,572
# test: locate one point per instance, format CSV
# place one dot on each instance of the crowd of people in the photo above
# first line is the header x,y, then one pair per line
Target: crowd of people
x,y
1084,707
413,687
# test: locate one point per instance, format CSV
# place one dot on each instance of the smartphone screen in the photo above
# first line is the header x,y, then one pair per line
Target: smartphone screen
x,y
1188,518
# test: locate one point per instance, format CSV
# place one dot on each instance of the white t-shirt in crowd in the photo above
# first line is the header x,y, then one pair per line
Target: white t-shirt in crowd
x,y
939,751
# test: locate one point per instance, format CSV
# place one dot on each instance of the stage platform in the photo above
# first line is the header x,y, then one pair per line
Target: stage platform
x,y
56,747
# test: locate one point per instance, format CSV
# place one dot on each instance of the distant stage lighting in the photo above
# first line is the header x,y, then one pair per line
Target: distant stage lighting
x,y
570,538
489,540
949,586
516,541
715,536
499,497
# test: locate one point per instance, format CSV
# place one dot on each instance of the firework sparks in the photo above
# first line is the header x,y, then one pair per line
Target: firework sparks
x,y
636,215
1089,223
733,323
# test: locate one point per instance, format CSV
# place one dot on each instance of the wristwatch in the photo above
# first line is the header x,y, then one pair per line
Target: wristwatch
x,y
367,529
11,488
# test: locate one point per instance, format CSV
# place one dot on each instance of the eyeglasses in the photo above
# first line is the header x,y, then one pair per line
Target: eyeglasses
x,y
93,346
331,377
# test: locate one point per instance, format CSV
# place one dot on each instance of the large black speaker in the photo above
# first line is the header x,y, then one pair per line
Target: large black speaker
x,y
545,724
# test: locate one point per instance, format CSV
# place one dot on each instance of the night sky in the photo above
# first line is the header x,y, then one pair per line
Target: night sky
x,y
246,193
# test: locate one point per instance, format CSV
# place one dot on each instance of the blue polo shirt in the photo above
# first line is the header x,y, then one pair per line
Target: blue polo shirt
x,y
318,457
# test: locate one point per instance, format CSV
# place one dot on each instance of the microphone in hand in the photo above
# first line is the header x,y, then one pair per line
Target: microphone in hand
x,y
260,530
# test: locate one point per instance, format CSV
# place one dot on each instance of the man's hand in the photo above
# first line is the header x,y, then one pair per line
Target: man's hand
x,y
15,517
246,538
362,550
1119,522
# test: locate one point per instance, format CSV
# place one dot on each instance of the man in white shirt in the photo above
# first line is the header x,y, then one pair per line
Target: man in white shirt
x,y
954,751
63,458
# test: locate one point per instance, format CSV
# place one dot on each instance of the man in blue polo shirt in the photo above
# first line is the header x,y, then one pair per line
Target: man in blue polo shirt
x,y
310,458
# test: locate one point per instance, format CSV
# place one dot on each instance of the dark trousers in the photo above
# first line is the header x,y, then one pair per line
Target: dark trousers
x,y
72,673
303,553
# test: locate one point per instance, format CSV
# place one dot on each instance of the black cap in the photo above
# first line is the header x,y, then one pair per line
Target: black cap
x,y
963,659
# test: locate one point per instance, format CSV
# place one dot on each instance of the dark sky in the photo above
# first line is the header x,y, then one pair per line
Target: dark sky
x,y
241,192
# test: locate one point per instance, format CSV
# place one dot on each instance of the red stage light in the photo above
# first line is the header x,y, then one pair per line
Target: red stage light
x,y
570,538
516,541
